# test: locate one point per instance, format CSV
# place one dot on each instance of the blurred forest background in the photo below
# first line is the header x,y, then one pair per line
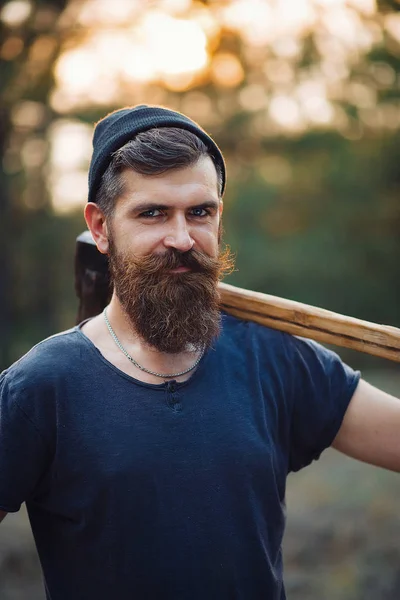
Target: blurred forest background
x,y
303,97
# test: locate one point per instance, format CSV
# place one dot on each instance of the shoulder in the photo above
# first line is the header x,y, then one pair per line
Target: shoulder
x,y
234,327
248,334
47,360
276,346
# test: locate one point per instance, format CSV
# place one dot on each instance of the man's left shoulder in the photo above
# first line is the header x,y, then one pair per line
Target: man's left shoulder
x,y
250,335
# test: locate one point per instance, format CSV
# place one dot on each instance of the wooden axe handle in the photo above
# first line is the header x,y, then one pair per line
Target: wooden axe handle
x,y
311,322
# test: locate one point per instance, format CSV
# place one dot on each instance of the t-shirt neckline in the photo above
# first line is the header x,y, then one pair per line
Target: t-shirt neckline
x,y
155,386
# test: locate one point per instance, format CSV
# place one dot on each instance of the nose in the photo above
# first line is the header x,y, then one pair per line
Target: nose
x,y
178,236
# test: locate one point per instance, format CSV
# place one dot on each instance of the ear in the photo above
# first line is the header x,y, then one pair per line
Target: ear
x,y
221,207
96,222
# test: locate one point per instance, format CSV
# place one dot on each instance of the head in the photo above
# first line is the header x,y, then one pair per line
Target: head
x,y
153,152
157,214
124,125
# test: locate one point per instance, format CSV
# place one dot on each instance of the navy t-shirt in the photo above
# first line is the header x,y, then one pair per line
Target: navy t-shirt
x,y
173,491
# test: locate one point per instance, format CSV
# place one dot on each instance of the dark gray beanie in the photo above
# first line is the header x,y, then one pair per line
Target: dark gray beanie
x,y
120,126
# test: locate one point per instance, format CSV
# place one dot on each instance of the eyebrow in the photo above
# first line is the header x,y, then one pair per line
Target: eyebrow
x,y
145,206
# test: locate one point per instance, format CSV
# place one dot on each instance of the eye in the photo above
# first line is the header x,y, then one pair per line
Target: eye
x,y
151,213
200,212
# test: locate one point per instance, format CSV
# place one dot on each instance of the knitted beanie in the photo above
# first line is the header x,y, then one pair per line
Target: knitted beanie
x,y
120,126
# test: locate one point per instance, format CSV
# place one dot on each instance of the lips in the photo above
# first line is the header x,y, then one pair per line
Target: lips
x,y
180,270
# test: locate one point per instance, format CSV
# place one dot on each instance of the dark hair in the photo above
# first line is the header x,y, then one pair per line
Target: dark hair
x,y
151,152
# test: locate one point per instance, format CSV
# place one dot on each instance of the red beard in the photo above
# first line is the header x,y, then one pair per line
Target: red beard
x,y
171,311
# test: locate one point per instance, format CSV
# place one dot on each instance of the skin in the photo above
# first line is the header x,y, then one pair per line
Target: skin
x,y
370,428
178,209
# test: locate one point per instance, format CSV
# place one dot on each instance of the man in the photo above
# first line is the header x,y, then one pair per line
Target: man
x,y
151,443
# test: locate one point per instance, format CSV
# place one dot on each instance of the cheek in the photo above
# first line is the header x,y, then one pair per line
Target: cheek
x,y
208,240
146,240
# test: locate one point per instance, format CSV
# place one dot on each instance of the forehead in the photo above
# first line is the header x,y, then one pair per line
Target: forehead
x,y
196,183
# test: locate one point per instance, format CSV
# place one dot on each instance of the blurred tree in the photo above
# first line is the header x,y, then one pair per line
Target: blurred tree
x,y
29,43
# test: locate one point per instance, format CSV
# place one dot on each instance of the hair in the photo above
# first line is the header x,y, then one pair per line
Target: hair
x,y
151,152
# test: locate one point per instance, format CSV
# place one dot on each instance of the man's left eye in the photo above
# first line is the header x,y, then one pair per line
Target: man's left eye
x,y
199,212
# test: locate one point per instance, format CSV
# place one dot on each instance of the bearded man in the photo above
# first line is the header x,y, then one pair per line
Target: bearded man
x,y
152,443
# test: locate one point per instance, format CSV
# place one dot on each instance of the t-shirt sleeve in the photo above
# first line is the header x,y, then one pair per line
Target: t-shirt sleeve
x,y
322,387
24,454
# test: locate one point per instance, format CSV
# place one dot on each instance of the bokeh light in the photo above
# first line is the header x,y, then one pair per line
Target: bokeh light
x,y
14,13
158,47
70,147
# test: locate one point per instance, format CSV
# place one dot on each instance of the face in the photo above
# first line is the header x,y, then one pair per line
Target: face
x,y
179,209
163,246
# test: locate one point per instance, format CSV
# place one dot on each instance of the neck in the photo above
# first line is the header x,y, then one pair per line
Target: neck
x,y
123,326
147,356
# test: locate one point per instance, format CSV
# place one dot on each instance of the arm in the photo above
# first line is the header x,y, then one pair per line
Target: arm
x,y
371,428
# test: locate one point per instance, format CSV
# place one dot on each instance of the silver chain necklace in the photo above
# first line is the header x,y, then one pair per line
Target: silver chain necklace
x,y
129,357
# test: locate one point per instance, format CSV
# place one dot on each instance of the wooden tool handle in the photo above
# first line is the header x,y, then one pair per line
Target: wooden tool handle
x,y
311,322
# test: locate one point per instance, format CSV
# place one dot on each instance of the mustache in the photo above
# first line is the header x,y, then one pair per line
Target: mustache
x,y
171,311
196,261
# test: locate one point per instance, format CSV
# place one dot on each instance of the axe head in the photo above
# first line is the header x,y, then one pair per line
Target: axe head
x,y
92,277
